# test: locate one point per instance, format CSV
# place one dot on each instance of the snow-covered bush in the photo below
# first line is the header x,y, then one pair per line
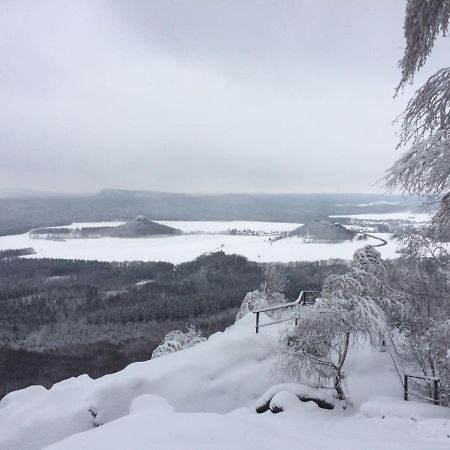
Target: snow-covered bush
x,y
259,299
316,349
421,320
274,279
268,294
178,340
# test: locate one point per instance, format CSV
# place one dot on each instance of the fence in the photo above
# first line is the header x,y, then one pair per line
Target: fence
x,y
432,386
304,299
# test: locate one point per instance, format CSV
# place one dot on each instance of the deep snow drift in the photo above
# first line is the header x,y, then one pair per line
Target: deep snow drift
x,y
204,397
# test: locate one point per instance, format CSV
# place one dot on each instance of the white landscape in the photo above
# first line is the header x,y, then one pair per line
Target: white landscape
x,y
318,319
404,216
177,249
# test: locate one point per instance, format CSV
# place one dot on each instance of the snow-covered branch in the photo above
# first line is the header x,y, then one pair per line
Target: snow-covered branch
x,y
424,21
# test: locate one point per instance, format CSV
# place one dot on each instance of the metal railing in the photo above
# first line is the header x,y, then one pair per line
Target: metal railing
x,y
305,298
434,389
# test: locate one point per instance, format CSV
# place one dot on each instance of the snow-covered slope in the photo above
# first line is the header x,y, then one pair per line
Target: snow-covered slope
x,y
203,398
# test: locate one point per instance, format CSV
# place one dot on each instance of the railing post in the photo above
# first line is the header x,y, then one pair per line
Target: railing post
x,y
405,387
435,392
257,322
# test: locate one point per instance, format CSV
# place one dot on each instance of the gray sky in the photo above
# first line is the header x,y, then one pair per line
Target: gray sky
x,y
200,96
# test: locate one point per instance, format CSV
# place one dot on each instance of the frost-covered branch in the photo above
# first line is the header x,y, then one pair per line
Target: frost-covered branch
x,y
428,110
424,170
424,21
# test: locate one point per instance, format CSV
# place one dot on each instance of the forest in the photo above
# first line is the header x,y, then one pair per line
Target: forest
x,y
62,318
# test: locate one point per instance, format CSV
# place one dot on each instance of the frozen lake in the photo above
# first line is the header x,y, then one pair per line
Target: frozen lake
x,y
178,249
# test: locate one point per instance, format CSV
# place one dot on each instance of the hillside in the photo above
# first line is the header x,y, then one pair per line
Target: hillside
x,y
204,398
19,215
324,232
136,228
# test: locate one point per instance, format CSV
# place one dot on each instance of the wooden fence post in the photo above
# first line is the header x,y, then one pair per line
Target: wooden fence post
x,y
405,387
435,392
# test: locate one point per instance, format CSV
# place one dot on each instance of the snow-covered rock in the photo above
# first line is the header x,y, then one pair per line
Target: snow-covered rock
x,y
301,392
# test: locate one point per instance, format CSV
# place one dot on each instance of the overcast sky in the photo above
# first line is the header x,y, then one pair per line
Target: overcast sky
x,y
200,96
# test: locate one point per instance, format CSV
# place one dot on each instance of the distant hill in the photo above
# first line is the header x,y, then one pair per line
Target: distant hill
x,y
324,232
139,227
142,227
19,215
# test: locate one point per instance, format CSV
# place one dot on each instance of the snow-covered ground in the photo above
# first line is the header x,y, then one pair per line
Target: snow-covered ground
x,y
184,248
407,216
239,225
203,398
75,225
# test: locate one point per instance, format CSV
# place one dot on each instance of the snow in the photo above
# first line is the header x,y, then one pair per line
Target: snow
x,y
407,216
177,249
157,427
240,225
76,225
273,396
228,371
203,398
386,407
378,203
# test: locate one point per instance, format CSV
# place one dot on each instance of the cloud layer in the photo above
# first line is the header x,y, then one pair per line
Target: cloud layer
x,y
199,96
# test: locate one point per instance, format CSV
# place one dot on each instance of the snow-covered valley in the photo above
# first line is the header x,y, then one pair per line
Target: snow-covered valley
x,y
176,249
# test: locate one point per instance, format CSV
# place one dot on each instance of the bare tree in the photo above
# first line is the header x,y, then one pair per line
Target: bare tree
x,y
274,279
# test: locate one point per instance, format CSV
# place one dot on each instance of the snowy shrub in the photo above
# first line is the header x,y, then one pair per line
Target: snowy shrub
x,y
269,293
316,349
178,340
258,299
274,279
422,320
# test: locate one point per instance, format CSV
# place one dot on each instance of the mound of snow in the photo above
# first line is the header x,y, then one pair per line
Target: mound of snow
x,y
202,398
228,371
388,407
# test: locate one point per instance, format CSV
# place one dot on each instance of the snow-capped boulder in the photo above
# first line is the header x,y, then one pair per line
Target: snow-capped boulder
x,y
300,391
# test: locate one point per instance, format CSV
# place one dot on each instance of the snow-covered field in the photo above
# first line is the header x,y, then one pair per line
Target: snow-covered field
x,y
184,248
75,225
240,225
408,216
203,398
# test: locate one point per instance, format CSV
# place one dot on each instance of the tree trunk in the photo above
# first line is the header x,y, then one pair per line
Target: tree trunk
x,y
338,376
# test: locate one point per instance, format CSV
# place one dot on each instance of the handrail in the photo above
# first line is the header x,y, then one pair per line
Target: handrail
x,y
286,305
301,300
435,399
